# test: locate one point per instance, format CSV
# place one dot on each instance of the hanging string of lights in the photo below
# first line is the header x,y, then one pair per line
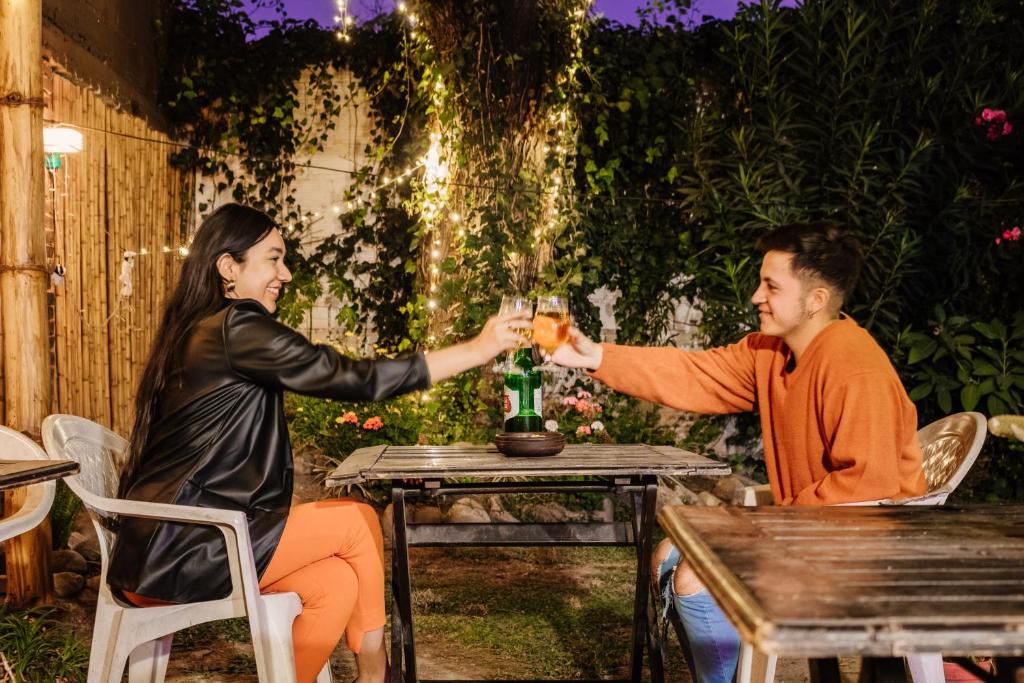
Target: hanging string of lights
x,y
343,19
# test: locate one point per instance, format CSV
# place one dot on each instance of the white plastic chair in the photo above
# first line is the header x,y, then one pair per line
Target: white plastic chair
x,y
142,635
16,446
950,445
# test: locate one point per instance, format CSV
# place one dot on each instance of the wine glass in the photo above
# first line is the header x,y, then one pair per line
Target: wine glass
x,y
551,324
515,303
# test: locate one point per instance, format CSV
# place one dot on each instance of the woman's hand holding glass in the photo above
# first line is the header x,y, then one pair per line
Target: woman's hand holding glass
x,y
501,333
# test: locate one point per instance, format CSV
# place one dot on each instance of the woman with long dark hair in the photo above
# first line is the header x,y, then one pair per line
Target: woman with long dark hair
x,y
210,431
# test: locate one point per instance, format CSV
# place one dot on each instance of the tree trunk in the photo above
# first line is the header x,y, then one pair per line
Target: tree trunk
x,y
23,275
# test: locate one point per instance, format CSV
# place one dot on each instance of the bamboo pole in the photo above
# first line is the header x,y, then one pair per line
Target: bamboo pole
x,y
23,275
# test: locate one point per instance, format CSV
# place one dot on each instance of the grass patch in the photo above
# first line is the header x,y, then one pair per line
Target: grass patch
x,y
529,612
213,633
38,648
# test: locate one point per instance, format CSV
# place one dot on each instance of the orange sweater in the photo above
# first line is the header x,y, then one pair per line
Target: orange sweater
x,y
839,428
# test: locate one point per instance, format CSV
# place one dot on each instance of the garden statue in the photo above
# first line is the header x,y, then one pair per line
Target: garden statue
x,y
605,299
125,278
686,317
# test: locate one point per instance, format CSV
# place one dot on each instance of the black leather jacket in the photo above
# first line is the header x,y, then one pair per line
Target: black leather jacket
x,y
219,439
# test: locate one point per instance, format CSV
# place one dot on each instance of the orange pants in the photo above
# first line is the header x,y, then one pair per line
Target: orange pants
x,y
332,554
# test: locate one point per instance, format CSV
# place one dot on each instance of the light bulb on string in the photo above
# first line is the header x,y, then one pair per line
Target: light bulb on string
x,y
343,19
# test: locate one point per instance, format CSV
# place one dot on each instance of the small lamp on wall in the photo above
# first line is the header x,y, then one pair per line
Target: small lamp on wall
x,y
58,140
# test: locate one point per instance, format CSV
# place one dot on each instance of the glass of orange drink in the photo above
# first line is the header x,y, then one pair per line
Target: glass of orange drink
x,y
551,322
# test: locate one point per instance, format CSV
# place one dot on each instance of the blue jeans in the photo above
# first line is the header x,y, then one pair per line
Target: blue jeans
x,y
711,644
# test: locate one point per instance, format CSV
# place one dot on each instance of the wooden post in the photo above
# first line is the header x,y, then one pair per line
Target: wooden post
x,y
23,274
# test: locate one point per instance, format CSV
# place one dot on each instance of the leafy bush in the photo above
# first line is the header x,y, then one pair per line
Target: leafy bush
x,y
979,363
337,428
607,417
464,408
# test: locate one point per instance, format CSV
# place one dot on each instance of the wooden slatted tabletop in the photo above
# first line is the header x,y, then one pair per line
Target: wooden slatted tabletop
x,y
878,581
408,462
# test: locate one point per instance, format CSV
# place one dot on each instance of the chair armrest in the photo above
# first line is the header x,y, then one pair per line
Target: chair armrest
x,y
176,513
1007,426
231,523
933,498
758,495
37,504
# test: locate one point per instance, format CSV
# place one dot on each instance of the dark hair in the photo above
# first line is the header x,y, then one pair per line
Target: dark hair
x,y
822,250
231,229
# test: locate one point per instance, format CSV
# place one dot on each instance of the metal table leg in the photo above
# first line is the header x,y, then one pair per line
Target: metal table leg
x,y
402,644
644,507
824,670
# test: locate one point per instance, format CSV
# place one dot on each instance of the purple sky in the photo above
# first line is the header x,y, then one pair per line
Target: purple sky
x,y
623,11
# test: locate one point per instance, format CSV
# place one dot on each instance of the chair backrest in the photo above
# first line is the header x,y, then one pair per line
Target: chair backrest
x,y
16,446
950,446
99,453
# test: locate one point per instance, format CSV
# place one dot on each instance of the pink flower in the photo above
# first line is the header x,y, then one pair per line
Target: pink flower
x,y
374,423
1012,235
583,430
999,240
582,393
348,418
568,401
996,121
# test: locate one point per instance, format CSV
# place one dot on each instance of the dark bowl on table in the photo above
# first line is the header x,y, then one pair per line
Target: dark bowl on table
x,y
530,444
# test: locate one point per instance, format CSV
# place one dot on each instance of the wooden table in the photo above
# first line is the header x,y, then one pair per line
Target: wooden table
x,y
628,470
27,571
874,581
14,473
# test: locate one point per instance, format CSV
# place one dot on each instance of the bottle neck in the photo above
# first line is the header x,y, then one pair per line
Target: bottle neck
x,y
523,358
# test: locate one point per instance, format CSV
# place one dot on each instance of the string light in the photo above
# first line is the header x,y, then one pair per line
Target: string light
x,y
343,20
387,181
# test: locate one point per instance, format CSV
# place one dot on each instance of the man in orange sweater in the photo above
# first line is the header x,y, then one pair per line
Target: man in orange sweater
x,y
838,425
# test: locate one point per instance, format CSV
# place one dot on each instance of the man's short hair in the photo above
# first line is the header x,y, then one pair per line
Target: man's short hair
x,y
823,250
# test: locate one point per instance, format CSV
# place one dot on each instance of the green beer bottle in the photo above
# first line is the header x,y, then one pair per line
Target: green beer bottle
x,y
523,399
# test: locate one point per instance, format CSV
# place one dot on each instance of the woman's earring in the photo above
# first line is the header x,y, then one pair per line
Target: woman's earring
x,y
229,287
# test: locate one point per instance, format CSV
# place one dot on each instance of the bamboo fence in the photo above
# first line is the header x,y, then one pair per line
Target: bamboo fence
x,y
118,194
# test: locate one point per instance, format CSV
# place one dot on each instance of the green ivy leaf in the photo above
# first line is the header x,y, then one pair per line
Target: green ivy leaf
x,y
987,330
969,396
984,368
922,350
921,391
